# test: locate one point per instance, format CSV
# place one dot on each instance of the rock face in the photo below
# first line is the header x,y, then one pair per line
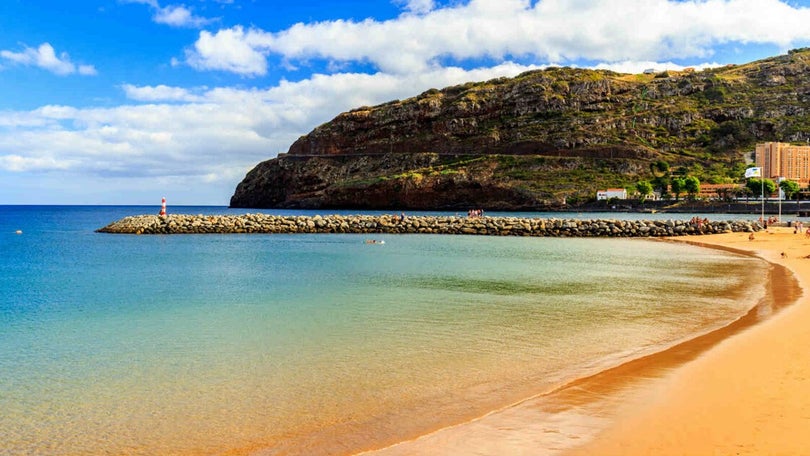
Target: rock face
x,y
392,224
530,141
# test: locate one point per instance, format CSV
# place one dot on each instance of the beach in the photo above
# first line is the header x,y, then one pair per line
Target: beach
x,y
742,389
749,395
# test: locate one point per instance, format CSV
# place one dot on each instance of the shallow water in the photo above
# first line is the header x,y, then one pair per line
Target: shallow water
x,y
318,343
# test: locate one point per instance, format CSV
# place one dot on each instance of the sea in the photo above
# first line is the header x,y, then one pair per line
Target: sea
x,y
320,343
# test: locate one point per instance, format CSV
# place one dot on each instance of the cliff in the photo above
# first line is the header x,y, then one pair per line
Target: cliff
x,y
539,139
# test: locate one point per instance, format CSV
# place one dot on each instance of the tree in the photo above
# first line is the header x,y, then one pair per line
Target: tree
x,y
659,168
677,185
738,169
744,191
726,194
791,188
756,186
692,186
681,171
644,188
662,185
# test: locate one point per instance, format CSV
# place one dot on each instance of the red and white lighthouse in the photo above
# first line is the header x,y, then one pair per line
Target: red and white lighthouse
x,y
162,207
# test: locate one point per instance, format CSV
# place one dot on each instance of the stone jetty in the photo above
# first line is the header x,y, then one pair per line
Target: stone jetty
x,y
392,224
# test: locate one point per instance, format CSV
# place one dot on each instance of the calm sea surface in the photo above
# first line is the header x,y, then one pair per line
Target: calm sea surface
x,y
204,344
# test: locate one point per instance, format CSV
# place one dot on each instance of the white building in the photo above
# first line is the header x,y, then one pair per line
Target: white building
x,y
618,193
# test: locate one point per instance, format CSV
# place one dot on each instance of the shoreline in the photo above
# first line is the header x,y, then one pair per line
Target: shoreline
x,y
590,415
749,394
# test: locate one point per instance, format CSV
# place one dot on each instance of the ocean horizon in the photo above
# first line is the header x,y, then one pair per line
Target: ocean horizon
x,y
320,343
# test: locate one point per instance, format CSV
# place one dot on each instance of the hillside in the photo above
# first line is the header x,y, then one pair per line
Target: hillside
x,y
532,141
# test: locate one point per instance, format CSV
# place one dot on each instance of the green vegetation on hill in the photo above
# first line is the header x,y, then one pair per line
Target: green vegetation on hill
x,y
540,138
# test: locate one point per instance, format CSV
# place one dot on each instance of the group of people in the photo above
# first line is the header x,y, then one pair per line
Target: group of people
x,y
699,222
475,213
798,228
768,221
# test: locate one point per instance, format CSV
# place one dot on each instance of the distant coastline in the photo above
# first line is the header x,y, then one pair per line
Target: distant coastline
x,y
786,208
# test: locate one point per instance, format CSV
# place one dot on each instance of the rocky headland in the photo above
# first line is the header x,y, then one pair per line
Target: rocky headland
x,y
398,224
538,141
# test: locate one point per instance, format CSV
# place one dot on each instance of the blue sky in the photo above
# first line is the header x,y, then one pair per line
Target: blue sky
x,y
126,101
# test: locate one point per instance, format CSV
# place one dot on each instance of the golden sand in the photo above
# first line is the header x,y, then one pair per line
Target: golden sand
x,y
748,395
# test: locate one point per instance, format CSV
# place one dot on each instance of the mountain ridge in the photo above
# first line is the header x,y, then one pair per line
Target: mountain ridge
x,y
538,140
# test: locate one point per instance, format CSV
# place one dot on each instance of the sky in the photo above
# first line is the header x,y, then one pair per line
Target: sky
x,y
128,101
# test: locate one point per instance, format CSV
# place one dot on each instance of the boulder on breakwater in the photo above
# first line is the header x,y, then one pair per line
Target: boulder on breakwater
x,y
391,224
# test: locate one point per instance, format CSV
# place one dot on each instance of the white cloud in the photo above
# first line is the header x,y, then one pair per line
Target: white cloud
x,y
548,30
87,70
19,163
45,57
172,15
152,3
158,93
231,50
179,16
418,6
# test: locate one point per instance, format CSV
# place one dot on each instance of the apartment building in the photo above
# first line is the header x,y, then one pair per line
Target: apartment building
x,y
784,160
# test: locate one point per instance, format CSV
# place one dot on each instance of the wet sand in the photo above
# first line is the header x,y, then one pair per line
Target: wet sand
x,y
742,389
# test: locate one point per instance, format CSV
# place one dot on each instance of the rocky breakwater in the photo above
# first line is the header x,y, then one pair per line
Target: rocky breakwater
x,y
392,224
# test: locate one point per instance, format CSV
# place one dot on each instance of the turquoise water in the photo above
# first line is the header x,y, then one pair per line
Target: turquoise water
x,y
317,344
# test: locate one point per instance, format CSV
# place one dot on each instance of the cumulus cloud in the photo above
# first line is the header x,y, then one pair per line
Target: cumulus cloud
x,y
45,57
547,30
233,49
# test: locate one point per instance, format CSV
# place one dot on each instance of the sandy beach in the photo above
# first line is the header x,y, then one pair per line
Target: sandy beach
x,y
743,389
748,395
